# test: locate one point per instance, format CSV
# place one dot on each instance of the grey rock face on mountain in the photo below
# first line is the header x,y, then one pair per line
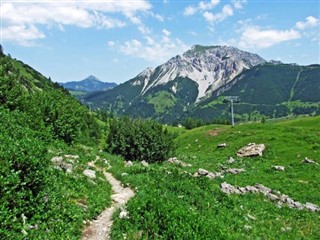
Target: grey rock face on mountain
x,y
209,67
194,84
89,84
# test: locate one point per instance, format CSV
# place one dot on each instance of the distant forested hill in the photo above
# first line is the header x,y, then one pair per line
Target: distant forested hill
x,y
89,84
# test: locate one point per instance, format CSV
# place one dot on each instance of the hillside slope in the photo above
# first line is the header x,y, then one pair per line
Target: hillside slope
x,y
42,157
173,203
267,91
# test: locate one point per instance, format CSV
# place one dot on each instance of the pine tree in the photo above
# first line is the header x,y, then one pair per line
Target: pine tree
x,y
1,51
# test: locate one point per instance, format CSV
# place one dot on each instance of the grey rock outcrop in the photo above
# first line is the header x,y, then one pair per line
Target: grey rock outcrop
x,y
235,170
128,164
312,207
272,195
202,172
213,175
279,168
62,165
144,163
230,160
222,145
228,188
251,150
175,161
209,67
307,160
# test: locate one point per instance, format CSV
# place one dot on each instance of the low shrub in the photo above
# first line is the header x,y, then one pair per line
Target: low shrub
x,y
140,140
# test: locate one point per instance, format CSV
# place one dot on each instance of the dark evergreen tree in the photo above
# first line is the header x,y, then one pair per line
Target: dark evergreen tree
x,y
1,51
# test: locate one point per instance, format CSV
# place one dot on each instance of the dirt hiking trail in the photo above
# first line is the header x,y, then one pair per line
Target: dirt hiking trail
x,y
100,228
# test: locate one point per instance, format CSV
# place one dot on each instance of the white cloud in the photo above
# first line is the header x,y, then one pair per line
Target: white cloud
x,y
166,32
154,50
111,43
21,34
144,29
211,17
105,22
30,15
253,37
193,33
238,4
227,11
159,17
188,11
202,6
209,5
150,40
309,23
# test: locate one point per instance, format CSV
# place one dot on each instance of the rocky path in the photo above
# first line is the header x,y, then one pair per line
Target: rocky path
x,y
100,228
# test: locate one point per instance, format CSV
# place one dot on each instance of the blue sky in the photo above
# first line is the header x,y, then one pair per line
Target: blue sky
x,y
116,40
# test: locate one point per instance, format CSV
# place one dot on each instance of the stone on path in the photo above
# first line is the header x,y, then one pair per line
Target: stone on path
x,y
89,173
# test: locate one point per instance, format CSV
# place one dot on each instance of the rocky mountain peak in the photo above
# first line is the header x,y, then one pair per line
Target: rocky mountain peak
x,y
209,66
146,73
92,78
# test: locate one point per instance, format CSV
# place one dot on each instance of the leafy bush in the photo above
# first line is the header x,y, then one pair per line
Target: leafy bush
x,y
23,170
140,140
38,201
190,123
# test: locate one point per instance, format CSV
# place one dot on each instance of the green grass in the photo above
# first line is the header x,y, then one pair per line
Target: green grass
x,y
77,93
80,198
162,101
171,204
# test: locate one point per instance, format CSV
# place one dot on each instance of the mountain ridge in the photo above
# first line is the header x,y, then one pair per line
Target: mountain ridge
x,y
186,84
89,84
210,67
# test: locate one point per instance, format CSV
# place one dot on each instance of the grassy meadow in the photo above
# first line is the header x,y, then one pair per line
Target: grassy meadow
x,y
172,204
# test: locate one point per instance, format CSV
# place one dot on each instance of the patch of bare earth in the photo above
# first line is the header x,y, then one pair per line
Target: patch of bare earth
x,y
100,228
214,132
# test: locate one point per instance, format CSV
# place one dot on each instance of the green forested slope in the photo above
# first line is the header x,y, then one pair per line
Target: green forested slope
x,y
266,91
39,121
269,91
